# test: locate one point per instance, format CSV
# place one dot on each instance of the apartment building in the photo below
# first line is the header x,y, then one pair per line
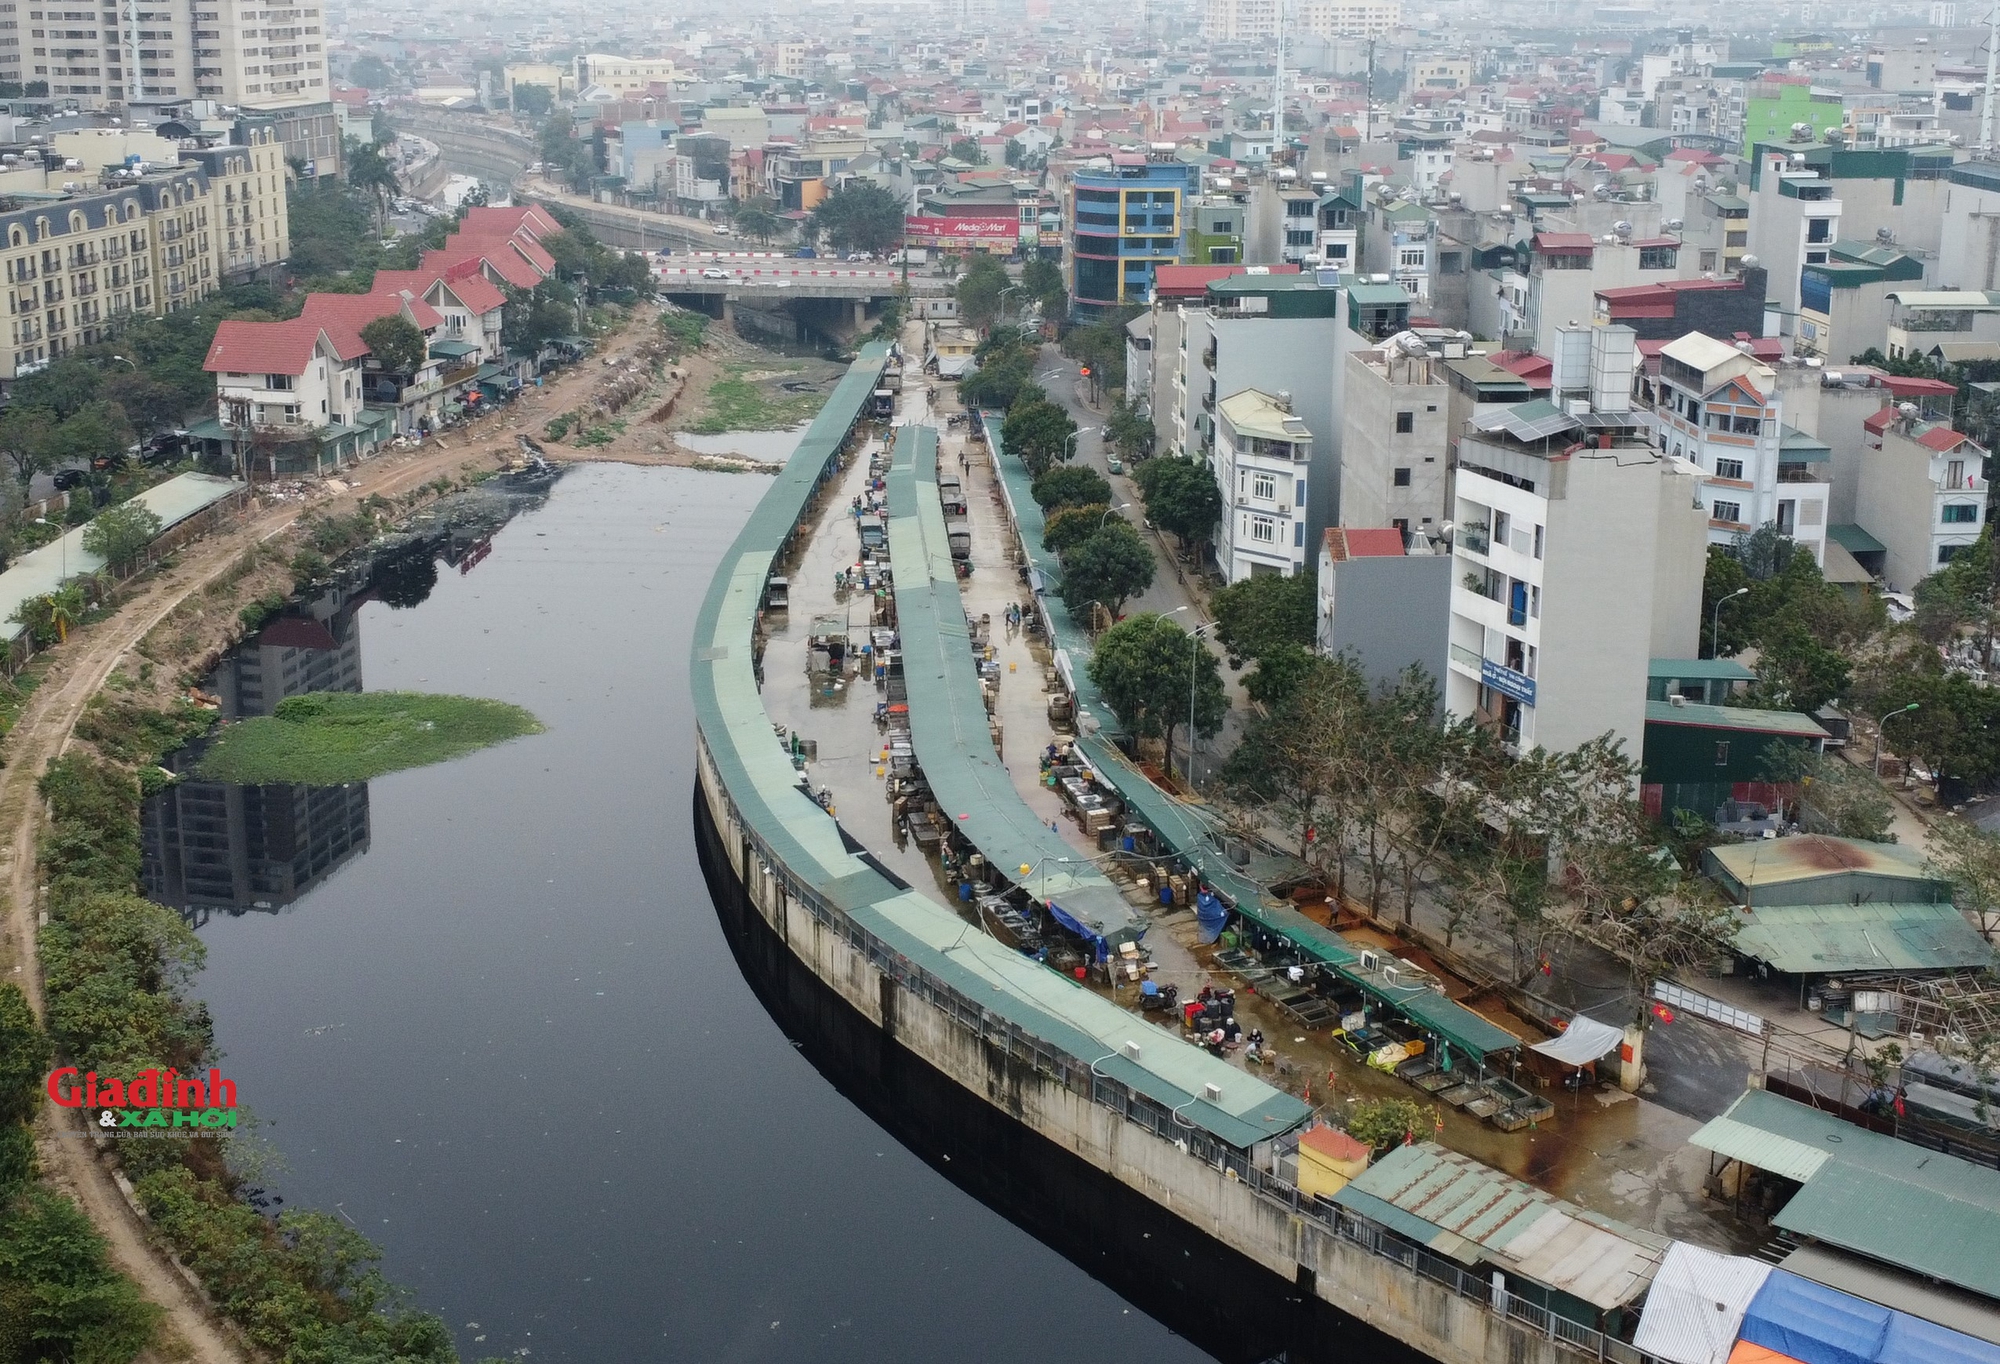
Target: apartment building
x,y
247,186
75,268
252,55
1578,558
1263,456
1225,21
1922,494
622,75
1395,434
1383,603
1722,410
1844,302
1124,223
1794,221
1348,18
286,378
1277,333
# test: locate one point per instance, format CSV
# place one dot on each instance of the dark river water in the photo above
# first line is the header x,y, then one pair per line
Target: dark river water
x,y
488,1010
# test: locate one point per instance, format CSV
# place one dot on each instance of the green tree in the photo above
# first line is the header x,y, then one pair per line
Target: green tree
x,y
24,440
122,534
95,431
1001,381
860,216
1129,429
532,101
1150,671
396,343
978,289
24,1058
64,388
1042,281
966,149
1261,614
1038,432
371,72
1101,348
1835,796
1181,498
370,171
1969,858
759,219
1109,567
1067,527
147,403
60,1299
1277,673
1070,485
1382,1123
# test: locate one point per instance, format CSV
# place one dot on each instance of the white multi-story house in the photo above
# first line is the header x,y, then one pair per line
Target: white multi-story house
x,y
1721,409
1578,557
300,373
1922,494
1263,455
1794,221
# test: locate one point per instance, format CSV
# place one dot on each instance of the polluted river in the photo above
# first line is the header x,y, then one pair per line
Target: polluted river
x,y
489,1012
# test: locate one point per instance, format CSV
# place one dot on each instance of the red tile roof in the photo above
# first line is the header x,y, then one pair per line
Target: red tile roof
x,y
1539,371
1344,543
1878,422
1564,242
487,221
1334,1144
275,347
356,311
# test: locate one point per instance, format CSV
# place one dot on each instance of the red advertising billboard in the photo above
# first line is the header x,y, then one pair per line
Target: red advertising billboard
x,y
966,232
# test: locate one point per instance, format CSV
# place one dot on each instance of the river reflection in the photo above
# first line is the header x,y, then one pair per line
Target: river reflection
x,y
220,847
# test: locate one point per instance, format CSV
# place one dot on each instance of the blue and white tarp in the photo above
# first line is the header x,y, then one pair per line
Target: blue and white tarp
x,y
1210,915
1821,1325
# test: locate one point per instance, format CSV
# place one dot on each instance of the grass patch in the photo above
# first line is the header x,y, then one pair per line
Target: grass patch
x,y
735,403
325,738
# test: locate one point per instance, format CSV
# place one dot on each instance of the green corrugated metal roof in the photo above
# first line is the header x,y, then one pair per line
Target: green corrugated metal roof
x,y
1855,540
1734,717
1809,939
948,723
1944,1224
759,777
1700,669
1796,447
1475,1214
1867,1192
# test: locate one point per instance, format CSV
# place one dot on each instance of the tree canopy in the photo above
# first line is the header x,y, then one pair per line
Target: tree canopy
x,y
1150,670
122,533
1069,526
1039,433
1108,568
396,343
372,72
860,216
979,288
1181,498
1070,485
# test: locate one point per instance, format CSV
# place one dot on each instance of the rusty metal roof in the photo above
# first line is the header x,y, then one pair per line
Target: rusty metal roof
x,y
1774,861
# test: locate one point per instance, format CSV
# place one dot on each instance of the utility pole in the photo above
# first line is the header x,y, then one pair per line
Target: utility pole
x,y
1992,71
1368,100
1278,90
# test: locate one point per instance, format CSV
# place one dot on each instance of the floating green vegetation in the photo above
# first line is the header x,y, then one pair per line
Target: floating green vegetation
x,y
325,738
738,402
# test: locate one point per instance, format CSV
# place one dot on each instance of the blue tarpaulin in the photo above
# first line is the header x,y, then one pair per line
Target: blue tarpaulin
x,y
1210,915
1912,1340
1814,1323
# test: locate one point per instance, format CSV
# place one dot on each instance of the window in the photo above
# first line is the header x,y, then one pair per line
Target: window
x,y
1403,481
1946,553
1729,468
1534,601
1263,530
1264,487
1538,542
1657,257
1746,426
1722,753
280,381
1451,262
1728,511
1406,422
1413,259
1819,229
1708,264
1961,513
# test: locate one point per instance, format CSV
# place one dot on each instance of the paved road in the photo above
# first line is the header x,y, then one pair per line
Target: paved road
x,y
774,272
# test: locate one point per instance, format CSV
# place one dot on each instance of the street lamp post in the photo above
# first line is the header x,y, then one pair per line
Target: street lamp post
x,y
1109,511
1715,622
1010,289
1900,710
1069,445
1194,658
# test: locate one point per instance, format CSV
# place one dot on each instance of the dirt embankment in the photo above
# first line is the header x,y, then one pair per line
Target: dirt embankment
x,y
166,625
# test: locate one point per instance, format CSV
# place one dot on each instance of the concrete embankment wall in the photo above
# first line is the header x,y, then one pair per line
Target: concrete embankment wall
x,y
1363,1282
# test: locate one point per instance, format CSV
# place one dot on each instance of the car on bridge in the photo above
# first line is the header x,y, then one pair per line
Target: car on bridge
x,y
713,273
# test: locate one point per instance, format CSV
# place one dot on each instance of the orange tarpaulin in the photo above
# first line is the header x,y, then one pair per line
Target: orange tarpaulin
x,y
1746,1353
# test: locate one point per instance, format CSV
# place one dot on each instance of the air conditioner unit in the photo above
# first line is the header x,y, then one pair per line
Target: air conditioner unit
x,y
1132,1051
1390,975
1212,1093
1370,960
1284,511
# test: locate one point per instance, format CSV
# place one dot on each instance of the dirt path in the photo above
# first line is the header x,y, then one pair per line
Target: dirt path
x,y
78,669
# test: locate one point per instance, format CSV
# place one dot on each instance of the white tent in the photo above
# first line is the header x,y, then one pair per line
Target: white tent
x,y
1696,1304
1584,1041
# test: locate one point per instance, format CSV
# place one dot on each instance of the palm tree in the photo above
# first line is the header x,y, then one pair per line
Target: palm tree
x,y
369,170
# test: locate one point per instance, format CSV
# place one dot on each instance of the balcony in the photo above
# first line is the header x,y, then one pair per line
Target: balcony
x,y
1796,473
1477,539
